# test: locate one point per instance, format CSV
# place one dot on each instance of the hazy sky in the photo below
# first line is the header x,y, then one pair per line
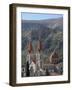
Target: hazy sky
x,y
33,16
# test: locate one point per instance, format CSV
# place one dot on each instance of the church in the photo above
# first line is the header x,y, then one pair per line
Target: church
x,y
36,67
34,60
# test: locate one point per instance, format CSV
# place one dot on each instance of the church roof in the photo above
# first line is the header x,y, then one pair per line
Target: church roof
x,y
55,55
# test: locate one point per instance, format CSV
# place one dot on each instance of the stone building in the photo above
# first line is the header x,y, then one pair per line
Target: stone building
x,y
54,58
34,59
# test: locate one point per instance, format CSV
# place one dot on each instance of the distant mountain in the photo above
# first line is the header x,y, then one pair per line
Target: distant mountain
x,y
33,26
52,23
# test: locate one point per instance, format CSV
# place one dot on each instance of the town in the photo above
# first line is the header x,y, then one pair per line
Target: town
x,y
35,66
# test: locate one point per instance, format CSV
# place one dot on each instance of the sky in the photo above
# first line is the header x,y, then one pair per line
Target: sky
x,y
38,16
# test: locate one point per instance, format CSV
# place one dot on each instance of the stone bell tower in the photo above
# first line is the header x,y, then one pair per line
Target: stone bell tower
x,y
29,51
28,60
38,55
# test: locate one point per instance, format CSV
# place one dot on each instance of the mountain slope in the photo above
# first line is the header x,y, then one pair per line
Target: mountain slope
x,y
50,32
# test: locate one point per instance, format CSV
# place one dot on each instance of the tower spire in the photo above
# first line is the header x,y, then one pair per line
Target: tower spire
x,y
39,47
30,47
